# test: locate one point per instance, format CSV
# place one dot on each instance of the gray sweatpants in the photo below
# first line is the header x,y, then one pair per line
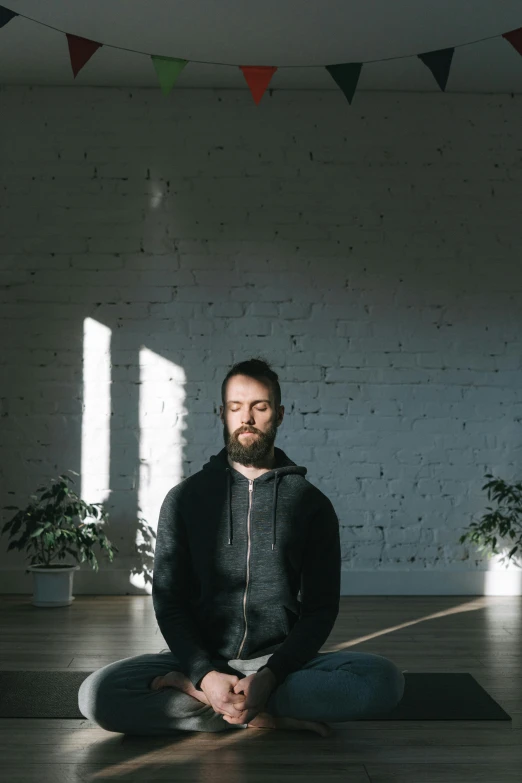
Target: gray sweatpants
x,y
331,687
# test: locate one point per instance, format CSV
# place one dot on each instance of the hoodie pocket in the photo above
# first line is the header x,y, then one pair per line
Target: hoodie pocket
x,y
288,618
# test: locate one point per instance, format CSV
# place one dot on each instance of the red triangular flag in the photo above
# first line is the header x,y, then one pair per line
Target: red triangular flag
x,y
258,78
515,38
80,50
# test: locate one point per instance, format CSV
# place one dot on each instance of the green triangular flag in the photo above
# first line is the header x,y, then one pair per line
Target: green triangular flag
x,y
346,75
168,70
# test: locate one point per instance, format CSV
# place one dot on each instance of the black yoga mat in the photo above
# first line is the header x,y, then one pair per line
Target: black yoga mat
x,y
439,696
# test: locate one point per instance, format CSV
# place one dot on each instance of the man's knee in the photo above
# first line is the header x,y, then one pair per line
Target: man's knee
x,y
391,684
94,700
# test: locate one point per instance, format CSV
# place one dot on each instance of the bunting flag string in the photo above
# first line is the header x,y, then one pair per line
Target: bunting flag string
x,y
258,77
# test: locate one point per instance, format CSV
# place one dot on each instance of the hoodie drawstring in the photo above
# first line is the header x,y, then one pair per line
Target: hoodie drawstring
x,y
274,506
229,479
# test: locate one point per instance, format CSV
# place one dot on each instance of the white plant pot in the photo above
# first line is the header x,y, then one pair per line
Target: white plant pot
x,y
52,586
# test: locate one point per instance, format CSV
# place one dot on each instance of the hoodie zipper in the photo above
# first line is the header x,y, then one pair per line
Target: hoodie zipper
x,y
250,495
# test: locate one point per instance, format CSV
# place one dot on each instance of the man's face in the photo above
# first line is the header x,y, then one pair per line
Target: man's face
x,y
249,409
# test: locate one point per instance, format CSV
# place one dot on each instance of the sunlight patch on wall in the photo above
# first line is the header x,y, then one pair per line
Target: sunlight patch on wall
x,y
503,575
162,415
156,196
96,415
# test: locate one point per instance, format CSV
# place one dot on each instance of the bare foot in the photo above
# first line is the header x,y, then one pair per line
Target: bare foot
x,y
264,720
181,683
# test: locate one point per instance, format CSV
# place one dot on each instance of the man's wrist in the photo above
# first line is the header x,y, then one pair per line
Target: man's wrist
x,y
202,680
269,675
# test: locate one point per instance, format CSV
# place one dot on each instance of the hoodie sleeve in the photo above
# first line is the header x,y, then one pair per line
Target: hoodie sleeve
x,y
170,592
320,596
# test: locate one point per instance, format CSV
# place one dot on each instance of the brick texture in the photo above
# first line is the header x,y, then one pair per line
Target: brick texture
x,y
370,252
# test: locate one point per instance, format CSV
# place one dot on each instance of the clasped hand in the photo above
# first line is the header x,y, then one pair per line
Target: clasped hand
x,y
256,689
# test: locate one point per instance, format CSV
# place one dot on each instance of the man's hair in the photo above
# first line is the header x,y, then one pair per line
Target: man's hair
x,y
256,368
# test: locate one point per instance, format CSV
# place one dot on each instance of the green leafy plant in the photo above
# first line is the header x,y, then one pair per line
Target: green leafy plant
x,y
49,525
500,522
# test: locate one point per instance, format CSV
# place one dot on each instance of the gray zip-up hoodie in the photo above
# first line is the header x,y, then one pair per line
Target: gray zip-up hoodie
x,y
232,555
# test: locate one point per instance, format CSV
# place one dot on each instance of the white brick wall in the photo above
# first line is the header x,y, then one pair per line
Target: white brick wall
x,y
371,253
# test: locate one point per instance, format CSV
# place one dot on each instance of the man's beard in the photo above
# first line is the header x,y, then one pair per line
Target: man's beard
x,y
249,450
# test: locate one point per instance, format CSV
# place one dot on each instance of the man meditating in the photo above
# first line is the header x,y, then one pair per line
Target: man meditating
x,y
236,544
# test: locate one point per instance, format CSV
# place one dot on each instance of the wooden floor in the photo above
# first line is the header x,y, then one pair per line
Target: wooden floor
x,y
480,635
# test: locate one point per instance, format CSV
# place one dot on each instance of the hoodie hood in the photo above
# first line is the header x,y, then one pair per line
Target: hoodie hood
x,y
283,466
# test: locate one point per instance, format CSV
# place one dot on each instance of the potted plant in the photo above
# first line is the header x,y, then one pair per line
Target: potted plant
x,y
49,526
500,522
